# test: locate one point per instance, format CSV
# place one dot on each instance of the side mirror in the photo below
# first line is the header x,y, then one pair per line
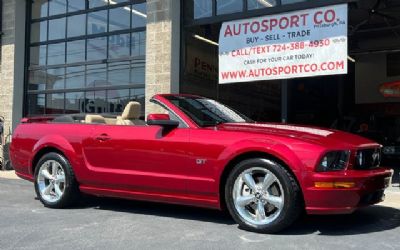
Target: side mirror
x,y
162,120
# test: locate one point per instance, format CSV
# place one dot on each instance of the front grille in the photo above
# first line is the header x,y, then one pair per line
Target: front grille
x,y
368,158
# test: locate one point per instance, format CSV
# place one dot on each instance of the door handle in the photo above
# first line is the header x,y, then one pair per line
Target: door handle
x,y
103,137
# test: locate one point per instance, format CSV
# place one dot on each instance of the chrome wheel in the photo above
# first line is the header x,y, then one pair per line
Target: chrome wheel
x,y
258,196
51,181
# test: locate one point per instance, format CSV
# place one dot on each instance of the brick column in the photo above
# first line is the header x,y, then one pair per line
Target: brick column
x,y
12,66
162,49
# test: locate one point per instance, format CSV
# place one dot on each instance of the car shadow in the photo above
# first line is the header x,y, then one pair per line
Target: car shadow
x,y
363,221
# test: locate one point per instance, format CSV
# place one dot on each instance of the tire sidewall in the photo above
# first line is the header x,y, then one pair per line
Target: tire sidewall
x,y
289,195
69,180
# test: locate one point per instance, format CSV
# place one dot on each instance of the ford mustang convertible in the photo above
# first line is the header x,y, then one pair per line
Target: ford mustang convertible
x,y
198,152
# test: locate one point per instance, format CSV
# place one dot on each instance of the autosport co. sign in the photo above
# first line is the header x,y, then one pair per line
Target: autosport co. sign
x,y
297,44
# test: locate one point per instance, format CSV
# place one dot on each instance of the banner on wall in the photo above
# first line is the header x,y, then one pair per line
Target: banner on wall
x,y
303,43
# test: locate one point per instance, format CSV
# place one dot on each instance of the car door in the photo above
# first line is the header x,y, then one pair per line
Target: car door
x,y
139,158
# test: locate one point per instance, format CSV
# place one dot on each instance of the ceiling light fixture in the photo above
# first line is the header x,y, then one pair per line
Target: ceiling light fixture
x,y
351,59
205,40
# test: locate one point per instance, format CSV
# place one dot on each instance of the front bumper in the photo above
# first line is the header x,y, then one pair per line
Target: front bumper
x,y
368,189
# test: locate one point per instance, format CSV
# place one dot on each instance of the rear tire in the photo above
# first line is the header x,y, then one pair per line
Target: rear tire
x,y
55,183
262,196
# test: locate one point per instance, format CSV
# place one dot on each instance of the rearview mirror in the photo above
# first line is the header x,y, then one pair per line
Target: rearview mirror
x,y
162,120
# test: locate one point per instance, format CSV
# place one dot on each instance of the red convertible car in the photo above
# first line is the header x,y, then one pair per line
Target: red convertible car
x,y
199,152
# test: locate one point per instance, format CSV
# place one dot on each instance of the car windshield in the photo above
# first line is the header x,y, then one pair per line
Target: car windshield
x,y
206,112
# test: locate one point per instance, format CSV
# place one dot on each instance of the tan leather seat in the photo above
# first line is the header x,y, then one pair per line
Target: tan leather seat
x,y
95,119
131,115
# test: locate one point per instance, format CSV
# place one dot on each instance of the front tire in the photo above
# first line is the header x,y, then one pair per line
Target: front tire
x,y
55,183
262,196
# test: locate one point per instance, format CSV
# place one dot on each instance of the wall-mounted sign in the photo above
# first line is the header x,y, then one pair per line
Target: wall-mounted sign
x,y
390,89
297,44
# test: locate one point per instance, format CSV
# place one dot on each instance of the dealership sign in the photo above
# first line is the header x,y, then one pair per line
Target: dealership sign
x,y
297,44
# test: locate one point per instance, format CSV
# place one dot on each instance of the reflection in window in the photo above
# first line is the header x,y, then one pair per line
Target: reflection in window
x,y
229,6
96,75
96,102
259,4
75,5
37,80
55,78
202,8
137,73
57,29
75,27
139,16
56,54
97,3
75,77
73,102
39,8
76,51
55,103
57,7
138,43
119,18
97,48
118,73
119,45
38,55
39,32
36,104
117,100
97,22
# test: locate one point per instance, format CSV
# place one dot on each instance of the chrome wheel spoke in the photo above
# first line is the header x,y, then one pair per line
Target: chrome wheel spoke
x,y
268,181
260,212
58,190
245,200
249,180
276,201
60,178
54,168
47,190
46,174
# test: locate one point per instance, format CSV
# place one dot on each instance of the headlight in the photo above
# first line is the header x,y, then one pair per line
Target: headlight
x,y
334,161
389,150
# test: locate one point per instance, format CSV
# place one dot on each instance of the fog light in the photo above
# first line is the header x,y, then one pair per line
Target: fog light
x,y
336,184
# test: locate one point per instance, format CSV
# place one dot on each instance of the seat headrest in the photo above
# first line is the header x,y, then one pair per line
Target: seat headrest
x,y
94,119
132,111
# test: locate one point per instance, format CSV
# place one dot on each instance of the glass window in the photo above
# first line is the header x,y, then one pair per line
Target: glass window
x,y
96,75
259,4
137,73
202,8
291,1
37,80
57,7
74,102
139,16
138,43
75,5
230,6
55,78
57,29
97,3
56,54
118,1
96,102
75,77
97,48
97,22
120,18
39,32
38,55
119,45
117,100
118,73
36,104
55,103
76,51
75,25
39,8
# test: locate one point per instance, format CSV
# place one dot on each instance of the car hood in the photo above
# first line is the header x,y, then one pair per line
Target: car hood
x,y
315,135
